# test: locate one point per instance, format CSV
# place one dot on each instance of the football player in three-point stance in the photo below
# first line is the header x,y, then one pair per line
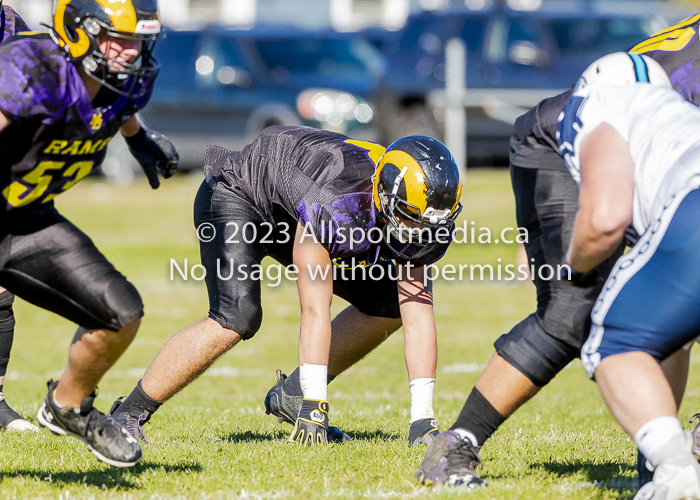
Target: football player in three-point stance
x,y
537,349
63,96
310,198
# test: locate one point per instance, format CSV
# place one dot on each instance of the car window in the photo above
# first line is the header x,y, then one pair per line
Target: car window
x,y
473,33
327,57
428,35
175,55
221,64
599,36
525,30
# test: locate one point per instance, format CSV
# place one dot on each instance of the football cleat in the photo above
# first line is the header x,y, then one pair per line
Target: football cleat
x,y
696,435
451,459
12,421
644,472
131,421
311,426
109,442
280,403
422,431
285,407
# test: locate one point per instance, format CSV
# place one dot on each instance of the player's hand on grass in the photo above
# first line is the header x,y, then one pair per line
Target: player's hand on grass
x,y
155,153
311,426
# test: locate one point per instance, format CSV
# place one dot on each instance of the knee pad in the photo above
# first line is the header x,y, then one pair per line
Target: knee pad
x,y
244,318
534,352
124,303
7,316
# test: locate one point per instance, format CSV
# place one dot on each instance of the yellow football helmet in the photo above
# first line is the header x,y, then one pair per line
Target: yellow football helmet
x,y
80,25
417,188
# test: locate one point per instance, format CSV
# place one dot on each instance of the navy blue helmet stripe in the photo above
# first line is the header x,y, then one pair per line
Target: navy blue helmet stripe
x,y
640,67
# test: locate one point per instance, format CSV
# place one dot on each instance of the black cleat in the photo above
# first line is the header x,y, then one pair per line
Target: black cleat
x,y
12,421
645,474
131,421
422,431
280,403
104,438
451,459
285,407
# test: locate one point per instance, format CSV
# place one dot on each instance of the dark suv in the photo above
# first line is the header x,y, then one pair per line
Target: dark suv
x,y
223,86
514,59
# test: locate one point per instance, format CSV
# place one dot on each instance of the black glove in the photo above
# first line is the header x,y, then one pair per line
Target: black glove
x,y
581,280
311,426
155,153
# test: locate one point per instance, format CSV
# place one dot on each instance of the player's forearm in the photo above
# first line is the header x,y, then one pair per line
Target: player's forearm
x,y
420,333
592,243
315,338
131,126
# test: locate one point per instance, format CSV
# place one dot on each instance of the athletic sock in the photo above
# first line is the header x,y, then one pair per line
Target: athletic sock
x,y
421,398
653,439
139,402
292,385
314,381
479,417
7,329
7,414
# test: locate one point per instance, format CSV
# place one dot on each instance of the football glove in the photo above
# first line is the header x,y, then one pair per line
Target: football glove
x,y
155,153
311,426
422,431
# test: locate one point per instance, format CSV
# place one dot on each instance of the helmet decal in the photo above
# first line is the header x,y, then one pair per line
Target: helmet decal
x,y
121,13
412,182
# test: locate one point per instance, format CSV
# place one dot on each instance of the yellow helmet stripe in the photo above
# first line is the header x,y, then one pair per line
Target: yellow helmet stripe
x,y
79,48
414,180
459,195
122,14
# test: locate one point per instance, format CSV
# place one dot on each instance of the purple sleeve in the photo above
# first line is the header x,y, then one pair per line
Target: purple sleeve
x,y
31,87
333,224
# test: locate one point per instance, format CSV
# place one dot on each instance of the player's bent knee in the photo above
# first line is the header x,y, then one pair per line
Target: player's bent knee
x,y
245,321
534,352
124,303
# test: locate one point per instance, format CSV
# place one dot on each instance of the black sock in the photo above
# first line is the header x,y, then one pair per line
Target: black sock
x,y
7,329
479,417
138,402
293,385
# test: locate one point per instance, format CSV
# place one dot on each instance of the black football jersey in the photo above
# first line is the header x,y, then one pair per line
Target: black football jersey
x,y
56,135
319,178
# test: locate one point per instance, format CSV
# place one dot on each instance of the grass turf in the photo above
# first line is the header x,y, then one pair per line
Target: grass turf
x,y
214,441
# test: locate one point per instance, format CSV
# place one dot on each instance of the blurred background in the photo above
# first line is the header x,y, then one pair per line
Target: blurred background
x,y
373,69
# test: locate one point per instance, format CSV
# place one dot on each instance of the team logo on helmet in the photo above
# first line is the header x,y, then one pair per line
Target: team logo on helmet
x,y
416,191
80,26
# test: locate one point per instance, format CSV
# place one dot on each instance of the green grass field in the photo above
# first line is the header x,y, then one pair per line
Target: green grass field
x,y
214,441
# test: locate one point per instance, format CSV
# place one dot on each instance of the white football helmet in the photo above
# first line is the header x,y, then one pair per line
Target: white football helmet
x,y
624,68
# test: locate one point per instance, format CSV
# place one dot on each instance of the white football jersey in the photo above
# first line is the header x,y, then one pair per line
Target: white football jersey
x,y
660,127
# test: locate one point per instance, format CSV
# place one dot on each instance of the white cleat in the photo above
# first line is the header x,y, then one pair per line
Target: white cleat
x,y
21,425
